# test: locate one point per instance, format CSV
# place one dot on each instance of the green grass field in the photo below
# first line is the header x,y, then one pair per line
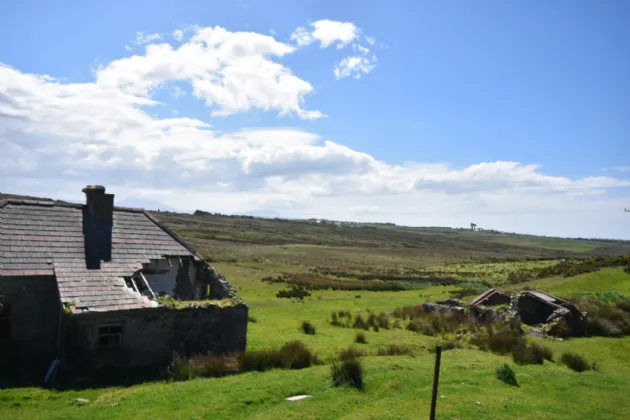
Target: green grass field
x,y
397,386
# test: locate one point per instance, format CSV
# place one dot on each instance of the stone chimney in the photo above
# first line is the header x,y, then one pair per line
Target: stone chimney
x,y
98,222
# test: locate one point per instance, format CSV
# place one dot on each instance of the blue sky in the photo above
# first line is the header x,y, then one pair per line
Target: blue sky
x,y
511,113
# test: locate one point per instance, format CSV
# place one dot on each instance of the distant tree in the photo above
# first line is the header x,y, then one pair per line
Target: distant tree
x,y
473,226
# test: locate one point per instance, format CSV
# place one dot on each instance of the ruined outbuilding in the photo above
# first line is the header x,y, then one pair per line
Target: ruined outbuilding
x,y
85,284
491,297
535,307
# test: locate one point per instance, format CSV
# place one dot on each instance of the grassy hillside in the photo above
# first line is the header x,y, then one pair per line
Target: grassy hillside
x,y
396,387
247,250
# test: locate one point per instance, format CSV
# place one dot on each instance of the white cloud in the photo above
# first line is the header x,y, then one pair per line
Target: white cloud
x,y
327,32
232,72
302,37
361,49
354,66
622,168
55,137
370,40
178,34
142,38
127,47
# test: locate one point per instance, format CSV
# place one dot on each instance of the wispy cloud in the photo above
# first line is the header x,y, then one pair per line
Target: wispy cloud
x,y
355,67
142,38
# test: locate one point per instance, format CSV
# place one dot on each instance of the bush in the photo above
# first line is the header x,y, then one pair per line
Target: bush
x,y
203,366
525,355
501,342
624,305
606,319
383,320
350,353
360,323
347,372
421,326
603,327
295,292
293,355
575,362
360,338
181,369
308,328
543,351
559,329
394,350
506,374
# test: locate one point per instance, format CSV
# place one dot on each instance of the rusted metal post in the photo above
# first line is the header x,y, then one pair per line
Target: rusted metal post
x,y
436,380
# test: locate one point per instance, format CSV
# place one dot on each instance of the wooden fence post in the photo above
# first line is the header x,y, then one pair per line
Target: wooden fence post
x,y
436,379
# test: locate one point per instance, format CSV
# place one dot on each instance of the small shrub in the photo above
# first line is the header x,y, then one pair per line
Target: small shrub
x,y
506,374
394,350
252,319
624,305
422,326
347,372
298,292
308,328
360,338
181,369
203,366
215,366
297,356
350,353
604,327
543,351
525,355
560,329
360,323
575,362
501,342
383,320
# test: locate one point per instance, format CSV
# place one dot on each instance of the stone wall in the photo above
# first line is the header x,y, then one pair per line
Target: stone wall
x,y
34,321
151,335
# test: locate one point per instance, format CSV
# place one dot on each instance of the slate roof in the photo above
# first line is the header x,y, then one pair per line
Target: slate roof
x,y
42,238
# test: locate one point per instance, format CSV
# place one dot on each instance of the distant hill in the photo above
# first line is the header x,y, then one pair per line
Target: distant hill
x,y
212,232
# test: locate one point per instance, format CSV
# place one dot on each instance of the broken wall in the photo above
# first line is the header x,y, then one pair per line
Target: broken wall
x,y
181,278
151,335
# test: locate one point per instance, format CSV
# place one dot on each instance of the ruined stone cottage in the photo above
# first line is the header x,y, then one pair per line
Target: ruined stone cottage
x,y
86,285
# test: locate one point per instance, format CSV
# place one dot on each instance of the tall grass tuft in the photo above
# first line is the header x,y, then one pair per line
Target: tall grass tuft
x,y
394,350
293,355
308,328
347,372
576,362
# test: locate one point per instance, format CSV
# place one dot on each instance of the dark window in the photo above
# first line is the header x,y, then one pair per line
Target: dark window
x,y
5,321
110,336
